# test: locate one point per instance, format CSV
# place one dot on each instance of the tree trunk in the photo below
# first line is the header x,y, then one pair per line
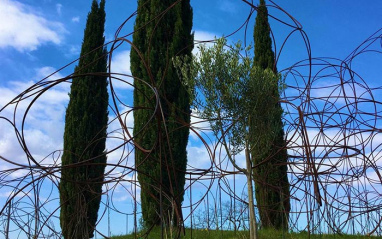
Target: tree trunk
x,y
252,218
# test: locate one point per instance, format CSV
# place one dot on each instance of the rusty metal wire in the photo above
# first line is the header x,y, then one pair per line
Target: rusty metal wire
x,y
333,132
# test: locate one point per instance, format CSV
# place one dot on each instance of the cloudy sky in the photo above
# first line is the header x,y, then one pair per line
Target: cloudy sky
x,y
39,37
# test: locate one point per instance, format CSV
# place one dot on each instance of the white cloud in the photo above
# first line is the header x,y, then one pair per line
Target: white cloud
x,y
336,93
8,194
9,146
123,186
200,126
198,157
45,71
25,29
118,136
120,64
335,156
76,19
201,37
44,122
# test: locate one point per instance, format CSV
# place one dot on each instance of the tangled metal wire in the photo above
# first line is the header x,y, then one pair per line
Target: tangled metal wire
x,y
332,128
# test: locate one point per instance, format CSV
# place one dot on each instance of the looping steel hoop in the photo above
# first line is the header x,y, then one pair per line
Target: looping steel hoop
x,y
332,127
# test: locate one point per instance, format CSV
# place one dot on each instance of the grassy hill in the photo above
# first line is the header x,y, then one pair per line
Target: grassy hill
x,y
263,234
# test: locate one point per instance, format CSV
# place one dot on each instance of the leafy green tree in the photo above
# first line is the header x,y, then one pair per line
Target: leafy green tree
x,y
231,94
269,155
84,158
162,30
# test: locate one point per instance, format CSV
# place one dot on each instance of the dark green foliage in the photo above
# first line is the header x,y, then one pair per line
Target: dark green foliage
x,y
86,120
264,56
269,155
159,36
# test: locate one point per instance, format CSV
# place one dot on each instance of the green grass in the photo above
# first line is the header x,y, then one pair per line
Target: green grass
x,y
263,234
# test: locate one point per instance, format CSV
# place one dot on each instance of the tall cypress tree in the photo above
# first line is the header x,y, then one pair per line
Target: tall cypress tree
x,y
162,31
84,158
270,158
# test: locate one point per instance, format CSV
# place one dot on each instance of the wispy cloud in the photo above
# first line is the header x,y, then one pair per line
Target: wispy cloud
x,y
76,19
228,6
25,29
203,36
73,51
59,9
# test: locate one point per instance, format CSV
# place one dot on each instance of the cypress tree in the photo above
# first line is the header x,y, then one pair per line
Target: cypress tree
x,y
270,158
84,158
162,31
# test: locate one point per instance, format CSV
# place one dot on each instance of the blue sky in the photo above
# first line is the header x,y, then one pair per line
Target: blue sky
x,y
38,37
